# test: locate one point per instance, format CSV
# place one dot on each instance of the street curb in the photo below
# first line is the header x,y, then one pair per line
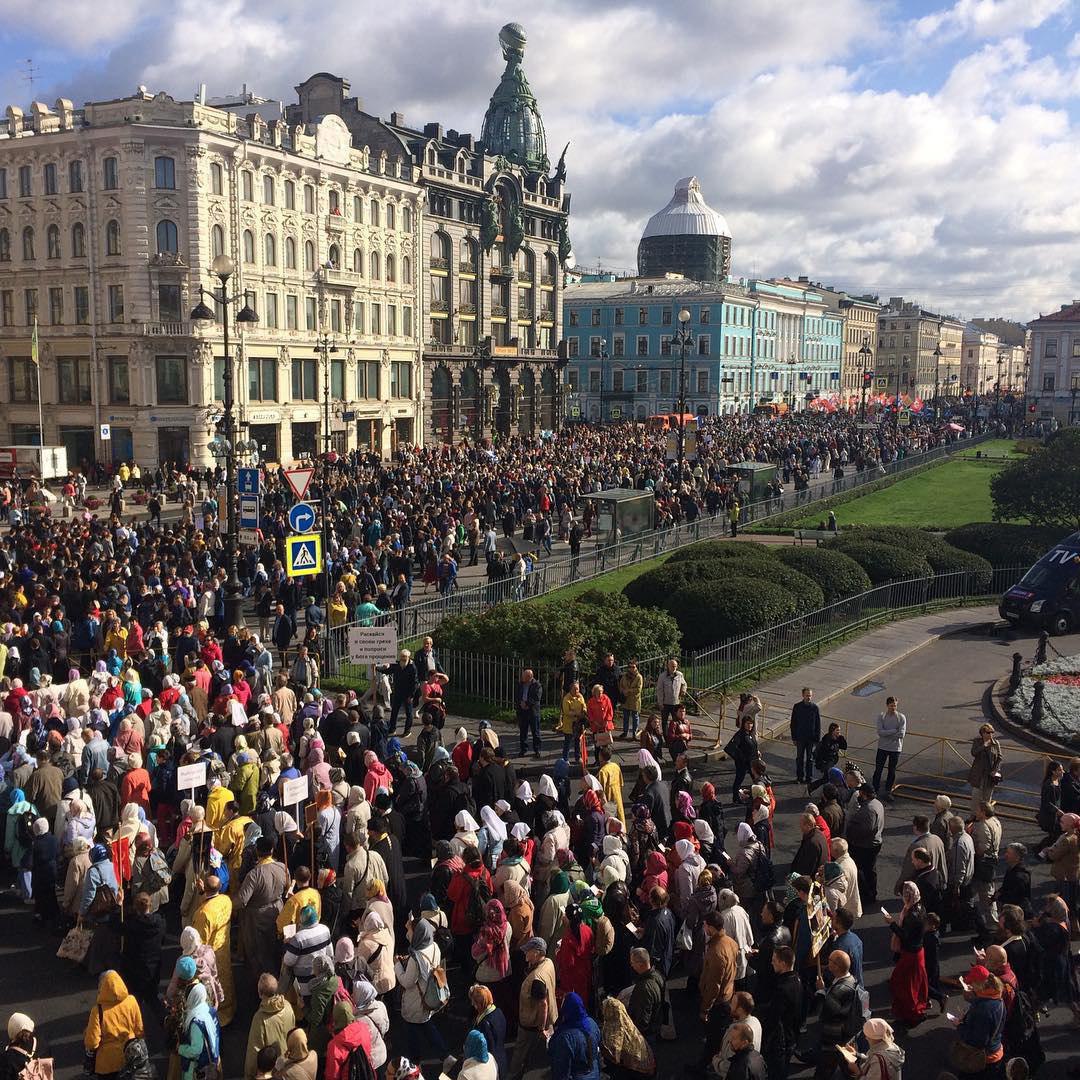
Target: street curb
x,y
996,695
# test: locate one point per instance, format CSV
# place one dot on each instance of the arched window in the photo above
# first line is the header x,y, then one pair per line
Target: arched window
x,y
309,255
217,179
290,253
357,208
52,242
375,266
247,186
270,250
432,156
335,201
406,218
358,261
374,212
217,241
249,246
28,244
468,254
551,268
334,257
309,199
268,190
290,195
440,249
391,270
391,216
112,238
166,237
75,176
406,269
5,246
78,240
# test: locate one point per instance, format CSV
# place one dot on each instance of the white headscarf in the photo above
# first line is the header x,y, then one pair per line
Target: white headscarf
x,y
590,782
745,834
496,828
547,787
703,831
556,816
612,845
465,822
684,848
524,791
520,831
645,759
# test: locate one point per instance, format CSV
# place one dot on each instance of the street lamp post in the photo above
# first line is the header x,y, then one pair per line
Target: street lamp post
x,y
937,380
223,269
997,389
864,359
1074,389
683,337
603,374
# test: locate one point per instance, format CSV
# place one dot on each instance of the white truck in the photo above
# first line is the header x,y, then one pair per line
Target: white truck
x,y
37,462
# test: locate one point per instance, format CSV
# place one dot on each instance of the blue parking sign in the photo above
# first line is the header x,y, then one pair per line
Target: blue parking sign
x,y
247,481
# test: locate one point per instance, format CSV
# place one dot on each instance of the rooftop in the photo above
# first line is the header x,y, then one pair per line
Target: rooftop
x,y
687,214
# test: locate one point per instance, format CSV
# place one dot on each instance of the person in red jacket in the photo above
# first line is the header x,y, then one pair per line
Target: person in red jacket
x,y
135,784
600,714
350,1033
474,878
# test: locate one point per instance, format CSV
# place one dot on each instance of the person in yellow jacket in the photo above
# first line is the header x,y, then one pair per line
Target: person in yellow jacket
x,y
211,920
115,1019
630,687
302,895
229,840
571,720
219,798
610,776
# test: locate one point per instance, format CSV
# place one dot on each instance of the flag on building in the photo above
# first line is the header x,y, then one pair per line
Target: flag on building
x,y
34,343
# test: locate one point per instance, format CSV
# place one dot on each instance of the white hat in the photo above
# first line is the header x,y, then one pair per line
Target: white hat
x,y
520,831
17,1024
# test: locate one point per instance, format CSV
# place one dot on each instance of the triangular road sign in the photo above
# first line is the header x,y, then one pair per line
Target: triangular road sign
x,y
299,479
305,558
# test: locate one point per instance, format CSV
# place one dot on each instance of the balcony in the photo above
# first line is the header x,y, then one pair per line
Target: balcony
x,y
466,309
440,306
464,267
540,354
166,329
547,279
437,262
498,311
336,223
525,276
167,258
501,272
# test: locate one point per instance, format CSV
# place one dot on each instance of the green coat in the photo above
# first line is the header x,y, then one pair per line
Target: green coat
x,y
270,1026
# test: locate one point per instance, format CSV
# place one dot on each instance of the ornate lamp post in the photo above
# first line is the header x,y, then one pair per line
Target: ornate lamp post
x,y
864,362
222,267
683,337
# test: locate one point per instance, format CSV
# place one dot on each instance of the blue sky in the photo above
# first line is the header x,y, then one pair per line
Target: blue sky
x,y
924,148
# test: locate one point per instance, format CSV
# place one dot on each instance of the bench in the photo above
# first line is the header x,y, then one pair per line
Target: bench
x,y
817,535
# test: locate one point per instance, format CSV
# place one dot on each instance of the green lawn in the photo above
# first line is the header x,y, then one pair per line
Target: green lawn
x,y
993,448
948,495
611,582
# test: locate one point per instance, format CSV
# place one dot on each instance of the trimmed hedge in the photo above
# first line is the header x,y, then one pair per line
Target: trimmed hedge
x,y
946,559
651,589
838,575
1006,545
906,536
884,563
712,611
720,549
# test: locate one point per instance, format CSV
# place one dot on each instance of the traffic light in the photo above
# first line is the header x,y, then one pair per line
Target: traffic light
x,y
868,379
1031,408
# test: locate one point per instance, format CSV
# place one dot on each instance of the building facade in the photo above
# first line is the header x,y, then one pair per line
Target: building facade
x,y
990,365
752,342
110,218
1053,389
859,354
919,352
494,243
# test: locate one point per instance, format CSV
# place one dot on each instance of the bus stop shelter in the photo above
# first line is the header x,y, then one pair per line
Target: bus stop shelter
x,y
754,478
622,513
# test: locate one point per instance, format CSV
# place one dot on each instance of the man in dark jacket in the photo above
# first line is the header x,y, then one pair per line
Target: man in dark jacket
x,y
841,1016
383,842
657,796
780,1025
746,1063
607,675
930,883
143,932
813,851
647,998
404,682
493,779
282,631
805,734
527,700
659,937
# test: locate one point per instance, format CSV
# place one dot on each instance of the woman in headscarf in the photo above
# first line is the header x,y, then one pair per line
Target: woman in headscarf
x,y
79,822
744,866
574,956
489,1020
18,851
317,770
377,776
369,1010
200,1045
462,754
737,926
556,839
553,911
77,867
519,914
513,865
191,946
574,1048
701,901
193,859
615,865
495,828
325,988
465,836
421,1031
642,840
656,876
686,876
625,1049
652,736
375,946
358,811
883,1059
298,1062
245,780
115,1018
478,1063
591,827
378,901
908,982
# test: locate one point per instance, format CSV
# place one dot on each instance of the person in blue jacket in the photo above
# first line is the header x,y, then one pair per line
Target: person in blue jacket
x,y
574,1049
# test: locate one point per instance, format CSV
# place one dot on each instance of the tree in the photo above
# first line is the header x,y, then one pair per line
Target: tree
x,y
1044,488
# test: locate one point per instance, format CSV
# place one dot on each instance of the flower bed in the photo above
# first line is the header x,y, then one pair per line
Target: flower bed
x,y
1061,699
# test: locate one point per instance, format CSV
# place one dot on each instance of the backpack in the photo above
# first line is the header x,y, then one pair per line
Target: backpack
x,y
436,995
24,828
479,895
762,874
156,875
358,1067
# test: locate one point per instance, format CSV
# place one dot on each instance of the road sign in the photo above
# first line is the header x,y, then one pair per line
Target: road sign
x,y
372,645
575,410
302,517
303,555
247,481
106,432
298,477
882,382
616,412
248,536
249,511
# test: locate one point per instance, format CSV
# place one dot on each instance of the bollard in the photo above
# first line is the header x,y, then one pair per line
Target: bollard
x,y
1014,678
1037,704
1040,649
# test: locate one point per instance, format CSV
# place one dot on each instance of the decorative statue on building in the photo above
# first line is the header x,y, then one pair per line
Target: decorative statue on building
x,y
489,222
513,230
560,169
564,242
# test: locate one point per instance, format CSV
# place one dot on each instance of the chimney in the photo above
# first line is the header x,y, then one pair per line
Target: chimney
x,y
397,119
202,93
433,131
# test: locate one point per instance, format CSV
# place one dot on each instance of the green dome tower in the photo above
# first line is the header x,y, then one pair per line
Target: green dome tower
x,y
513,128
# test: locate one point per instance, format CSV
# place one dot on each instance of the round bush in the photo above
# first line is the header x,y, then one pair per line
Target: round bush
x,y
947,559
884,563
807,593
837,574
1005,546
911,539
652,588
720,549
713,611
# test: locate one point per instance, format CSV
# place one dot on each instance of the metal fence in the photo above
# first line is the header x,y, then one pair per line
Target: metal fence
x,y
492,680
554,573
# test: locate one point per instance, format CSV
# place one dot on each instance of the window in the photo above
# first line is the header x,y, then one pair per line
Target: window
x,y
112,237
268,190
7,307
333,258
391,270
310,313
665,345
309,255
703,382
82,305
573,380
643,316
52,242
359,320
169,303
309,199
249,246
597,346
406,321
375,266
642,381
665,381
1050,348
30,304
219,379
335,316
26,182
270,250
703,315
217,241
270,317
5,246
596,317
1048,382
406,270
119,391
391,216
217,179
376,319
247,186
391,319
28,244
357,209
618,345
78,241
116,303
401,379
573,318
304,381
290,253
374,212
290,195
358,261
164,172
22,380
594,381
665,317
642,345
406,218
3,184
367,379
167,241
73,380
704,344
56,306
262,380
617,380
572,345
172,388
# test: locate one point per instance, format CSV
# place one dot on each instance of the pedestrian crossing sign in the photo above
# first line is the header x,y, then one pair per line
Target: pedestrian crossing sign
x,y
303,555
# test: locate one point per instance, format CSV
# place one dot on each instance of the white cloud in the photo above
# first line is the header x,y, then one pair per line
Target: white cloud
x,y
72,22
986,18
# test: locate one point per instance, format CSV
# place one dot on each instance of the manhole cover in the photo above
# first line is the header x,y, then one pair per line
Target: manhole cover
x,y
867,689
